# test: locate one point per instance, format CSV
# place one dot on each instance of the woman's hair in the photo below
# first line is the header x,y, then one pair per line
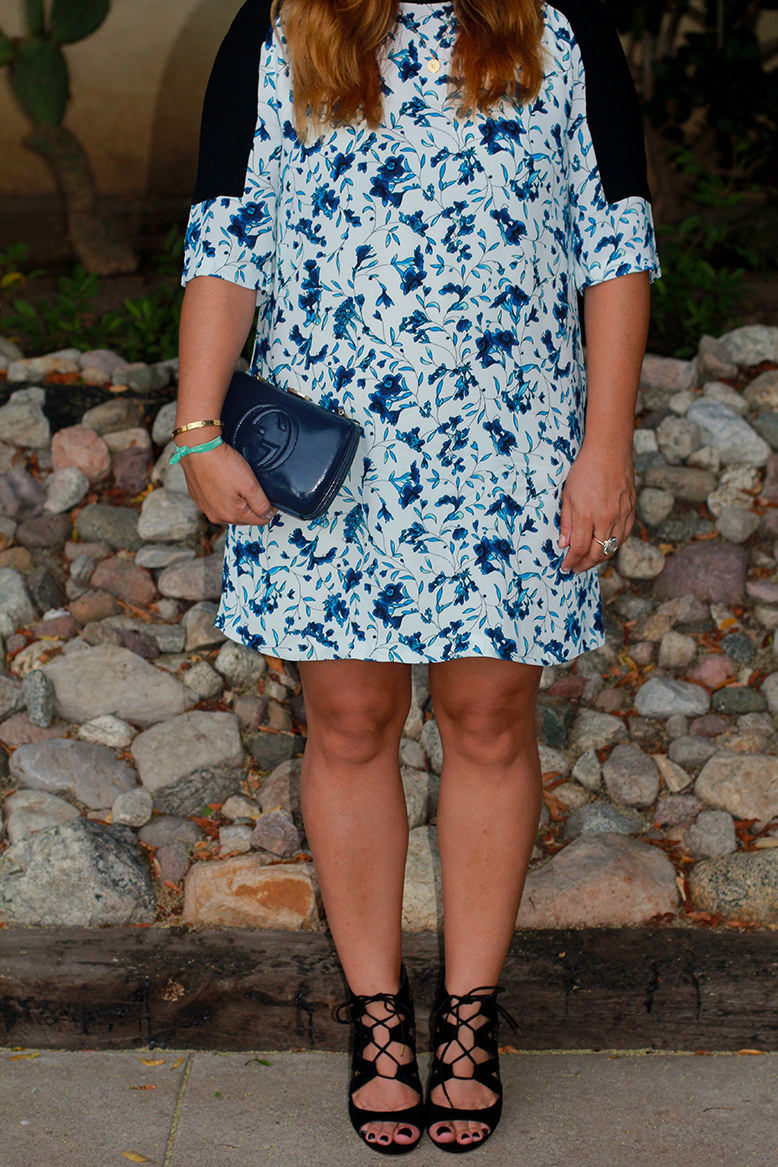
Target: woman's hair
x,y
333,48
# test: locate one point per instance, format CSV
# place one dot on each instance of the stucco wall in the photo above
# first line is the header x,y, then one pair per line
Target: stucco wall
x,y
137,87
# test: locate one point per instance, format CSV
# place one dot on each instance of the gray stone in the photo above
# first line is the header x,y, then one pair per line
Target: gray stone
x,y
89,772
141,377
719,391
12,695
161,555
769,688
738,699
197,579
684,482
239,806
167,516
21,496
592,730
199,627
690,750
208,785
766,425
39,368
203,682
235,839
423,892
676,808
553,717
713,571
667,373
45,590
740,648
678,437
733,437
109,679
79,874
713,834
133,808
676,650
742,886
65,489
639,560
751,344
241,667
173,860
421,795
191,741
430,740
35,810
632,607
276,832
737,524
23,422
631,776
744,784
714,359
9,350
81,568
164,423
686,609
281,789
663,696
166,829
116,526
110,417
600,818
412,753
38,693
599,880
654,505
16,610
270,749
588,770
762,393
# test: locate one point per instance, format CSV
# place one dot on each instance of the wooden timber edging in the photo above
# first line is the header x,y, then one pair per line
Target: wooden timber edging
x,y
598,988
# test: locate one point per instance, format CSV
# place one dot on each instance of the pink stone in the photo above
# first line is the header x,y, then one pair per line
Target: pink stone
x,y
77,445
18,730
173,859
130,469
570,686
63,627
713,571
770,488
713,670
123,578
610,700
709,725
763,590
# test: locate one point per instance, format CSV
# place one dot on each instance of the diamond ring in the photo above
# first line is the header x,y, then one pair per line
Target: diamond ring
x,y
608,545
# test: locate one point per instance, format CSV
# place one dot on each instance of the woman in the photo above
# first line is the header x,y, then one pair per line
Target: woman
x,y
413,202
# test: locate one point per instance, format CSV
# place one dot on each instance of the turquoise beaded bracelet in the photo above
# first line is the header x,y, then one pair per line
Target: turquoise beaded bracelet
x,y
182,450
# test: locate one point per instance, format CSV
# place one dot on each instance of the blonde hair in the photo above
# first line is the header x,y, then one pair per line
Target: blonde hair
x,y
333,49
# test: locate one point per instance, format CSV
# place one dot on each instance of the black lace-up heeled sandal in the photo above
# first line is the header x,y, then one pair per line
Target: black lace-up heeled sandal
x,y
447,1035
399,1026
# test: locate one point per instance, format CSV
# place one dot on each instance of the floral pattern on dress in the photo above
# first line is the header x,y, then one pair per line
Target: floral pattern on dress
x,y
423,277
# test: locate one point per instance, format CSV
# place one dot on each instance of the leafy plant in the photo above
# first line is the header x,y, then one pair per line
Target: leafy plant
x,y
40,82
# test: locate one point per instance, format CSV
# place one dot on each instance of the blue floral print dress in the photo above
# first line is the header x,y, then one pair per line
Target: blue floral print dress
x,y
423,277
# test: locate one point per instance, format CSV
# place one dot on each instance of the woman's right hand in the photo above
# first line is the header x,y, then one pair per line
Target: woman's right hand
x,y
223,486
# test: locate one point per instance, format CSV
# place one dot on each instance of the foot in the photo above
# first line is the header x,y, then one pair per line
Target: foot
x,y
386,1093
462,1092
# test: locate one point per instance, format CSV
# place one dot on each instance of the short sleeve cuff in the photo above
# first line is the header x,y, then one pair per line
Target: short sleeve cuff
x,y
613,240
229,238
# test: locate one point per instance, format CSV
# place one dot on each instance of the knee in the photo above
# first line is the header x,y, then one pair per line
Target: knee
x,y
357,733
485,736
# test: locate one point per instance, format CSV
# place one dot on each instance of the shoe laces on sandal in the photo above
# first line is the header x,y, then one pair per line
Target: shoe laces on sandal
x,y
452,1004
359,1014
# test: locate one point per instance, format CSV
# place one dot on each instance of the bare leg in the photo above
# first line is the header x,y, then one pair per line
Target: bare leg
x,y
490,799
357,826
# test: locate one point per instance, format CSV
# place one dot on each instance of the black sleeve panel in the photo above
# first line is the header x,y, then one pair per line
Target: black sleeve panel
x,y
230,107
612,106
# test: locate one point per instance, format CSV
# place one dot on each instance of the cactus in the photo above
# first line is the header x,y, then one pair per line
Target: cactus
x,y
41,85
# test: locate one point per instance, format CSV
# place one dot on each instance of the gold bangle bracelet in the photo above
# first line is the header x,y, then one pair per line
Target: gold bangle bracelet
x,y
196,425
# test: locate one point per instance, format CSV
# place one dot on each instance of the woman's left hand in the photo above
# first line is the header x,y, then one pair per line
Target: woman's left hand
x,y
598,499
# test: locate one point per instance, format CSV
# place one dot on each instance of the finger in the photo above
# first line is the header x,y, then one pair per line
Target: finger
x,y
580,543
254,498
565,521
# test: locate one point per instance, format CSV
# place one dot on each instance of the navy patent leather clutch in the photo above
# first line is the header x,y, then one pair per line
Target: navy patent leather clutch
x,y
299,451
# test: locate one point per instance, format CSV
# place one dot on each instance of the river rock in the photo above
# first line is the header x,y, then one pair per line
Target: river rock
x,y
241,892
109,679
746,785
77,445
663,696
117,526
38,694
161,555
691,750
588,771
203,682
276,833
164,423
762,393
167,829
133,808
597,880
241,667
431,741
21,496
173,860
678,437
180,745
198,623
686,483
676,651
65,489
423,891
113,416
592,730
598,818
742,886
125,579
23,422
208,785
677,808
751,344
713,834
714,359
35,810
39,368
639,560
667,373
737,524
79,874
654,505
167,515
281,789
197,579
631,776
90,773
733,437
713,571
16,610
270,748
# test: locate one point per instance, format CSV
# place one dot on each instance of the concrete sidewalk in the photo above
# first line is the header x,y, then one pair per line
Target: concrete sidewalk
x,y
636,1109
